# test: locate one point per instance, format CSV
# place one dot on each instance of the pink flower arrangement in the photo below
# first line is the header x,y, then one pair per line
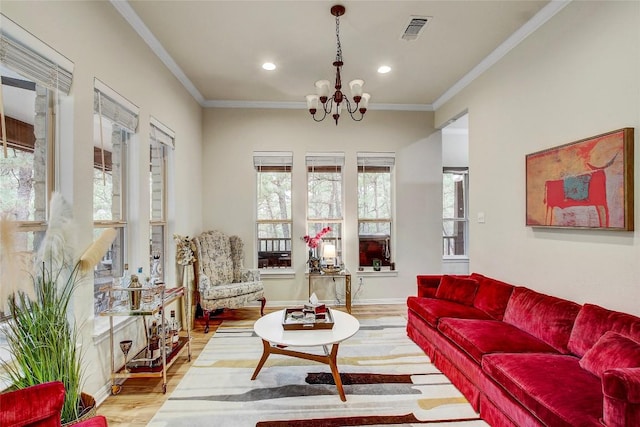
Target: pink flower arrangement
x,y
313,242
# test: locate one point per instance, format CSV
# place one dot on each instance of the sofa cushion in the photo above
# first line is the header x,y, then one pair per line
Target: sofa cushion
x,y
231,290
480,337
457,289
611,351
593,321
432,309
552,386
545,317
492,296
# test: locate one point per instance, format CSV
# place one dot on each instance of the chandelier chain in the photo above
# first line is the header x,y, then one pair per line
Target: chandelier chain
x,y
338,45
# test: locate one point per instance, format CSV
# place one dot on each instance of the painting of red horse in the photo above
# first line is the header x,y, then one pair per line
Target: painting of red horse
x,y
584,184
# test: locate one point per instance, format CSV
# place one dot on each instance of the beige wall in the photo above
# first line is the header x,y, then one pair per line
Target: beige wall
x,y
577,76
232,135
101,44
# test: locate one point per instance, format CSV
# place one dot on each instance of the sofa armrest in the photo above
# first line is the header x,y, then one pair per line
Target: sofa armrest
x,y
622,383
250,275
427,284
621,388
38,405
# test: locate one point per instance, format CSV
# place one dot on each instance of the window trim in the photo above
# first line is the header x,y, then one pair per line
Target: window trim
x,y
378,162
466,220
279,162
122,113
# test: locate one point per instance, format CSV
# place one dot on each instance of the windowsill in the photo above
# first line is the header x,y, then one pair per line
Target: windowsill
x,y
384,272
277,273
101,326
455,258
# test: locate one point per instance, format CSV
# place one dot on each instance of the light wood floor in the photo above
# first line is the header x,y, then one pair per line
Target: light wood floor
x,y
141,398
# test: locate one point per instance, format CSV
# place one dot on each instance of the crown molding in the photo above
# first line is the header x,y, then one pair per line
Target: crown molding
x,y
294,105
143,31
539,19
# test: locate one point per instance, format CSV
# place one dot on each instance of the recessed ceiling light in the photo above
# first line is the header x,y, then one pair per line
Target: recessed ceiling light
x,y
269,66
384,69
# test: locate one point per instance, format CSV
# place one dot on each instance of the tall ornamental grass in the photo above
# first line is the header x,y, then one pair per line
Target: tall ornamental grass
x,y
43,341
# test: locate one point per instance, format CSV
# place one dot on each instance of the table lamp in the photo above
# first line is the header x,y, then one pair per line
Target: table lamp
x,y
329,253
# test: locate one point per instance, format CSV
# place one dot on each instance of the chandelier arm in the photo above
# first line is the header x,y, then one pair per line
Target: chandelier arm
x,y
328,106
322,118
355,108
354,117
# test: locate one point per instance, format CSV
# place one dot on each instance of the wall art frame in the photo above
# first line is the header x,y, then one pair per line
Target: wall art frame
x,y
585,184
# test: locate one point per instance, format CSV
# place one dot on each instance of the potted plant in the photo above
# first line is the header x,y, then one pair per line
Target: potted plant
x,y
41,333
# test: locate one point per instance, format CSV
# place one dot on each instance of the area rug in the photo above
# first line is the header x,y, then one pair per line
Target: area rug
x,y
387,379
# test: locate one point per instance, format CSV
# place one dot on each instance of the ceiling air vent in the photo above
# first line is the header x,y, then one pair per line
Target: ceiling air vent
x,y
414,27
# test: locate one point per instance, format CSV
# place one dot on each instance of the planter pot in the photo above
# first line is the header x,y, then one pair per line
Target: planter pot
x,y
89,409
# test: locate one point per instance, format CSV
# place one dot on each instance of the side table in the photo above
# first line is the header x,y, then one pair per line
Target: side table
x,y
345,274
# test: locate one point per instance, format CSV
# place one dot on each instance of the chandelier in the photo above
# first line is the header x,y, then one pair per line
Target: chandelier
x,y
335,103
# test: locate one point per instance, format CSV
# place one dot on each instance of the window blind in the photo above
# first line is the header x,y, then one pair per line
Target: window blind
x,y
325,162
25,54
162,134
115,107
273,161
376,162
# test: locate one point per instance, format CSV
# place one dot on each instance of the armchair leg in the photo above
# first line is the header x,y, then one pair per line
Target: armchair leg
x,y
263,302
206,320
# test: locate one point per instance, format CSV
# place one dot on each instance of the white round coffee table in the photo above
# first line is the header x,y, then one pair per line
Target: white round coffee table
x,y
275,339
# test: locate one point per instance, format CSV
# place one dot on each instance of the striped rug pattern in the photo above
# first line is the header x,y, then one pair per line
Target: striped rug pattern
x,y
387,379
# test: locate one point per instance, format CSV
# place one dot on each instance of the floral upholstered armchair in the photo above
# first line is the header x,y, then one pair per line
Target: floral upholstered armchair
x,y
221,279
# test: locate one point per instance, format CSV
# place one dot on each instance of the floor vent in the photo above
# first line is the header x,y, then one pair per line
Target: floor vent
x,y
414,27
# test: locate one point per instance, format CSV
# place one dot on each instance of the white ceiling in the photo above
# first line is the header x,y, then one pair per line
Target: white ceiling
x,y
216,48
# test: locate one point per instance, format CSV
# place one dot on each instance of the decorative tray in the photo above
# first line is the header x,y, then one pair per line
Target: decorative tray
x,y
302,319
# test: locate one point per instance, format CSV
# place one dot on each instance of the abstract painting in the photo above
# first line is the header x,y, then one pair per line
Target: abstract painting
x,y
583,184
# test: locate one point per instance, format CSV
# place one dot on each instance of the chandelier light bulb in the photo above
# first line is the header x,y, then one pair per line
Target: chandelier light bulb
x,y
322,88
312,103
364,102
356,89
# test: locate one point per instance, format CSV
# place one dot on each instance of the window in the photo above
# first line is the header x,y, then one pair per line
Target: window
x,y
375,208
273,180
325,199
161,141
115,121
33,78
455,222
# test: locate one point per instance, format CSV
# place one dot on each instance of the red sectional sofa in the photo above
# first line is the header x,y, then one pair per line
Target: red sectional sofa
x,y
523,358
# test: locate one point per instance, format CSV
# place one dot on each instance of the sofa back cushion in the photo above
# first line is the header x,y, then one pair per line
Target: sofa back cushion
x,y
457,289
492,296
593,321
214,257
612,350
543,316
